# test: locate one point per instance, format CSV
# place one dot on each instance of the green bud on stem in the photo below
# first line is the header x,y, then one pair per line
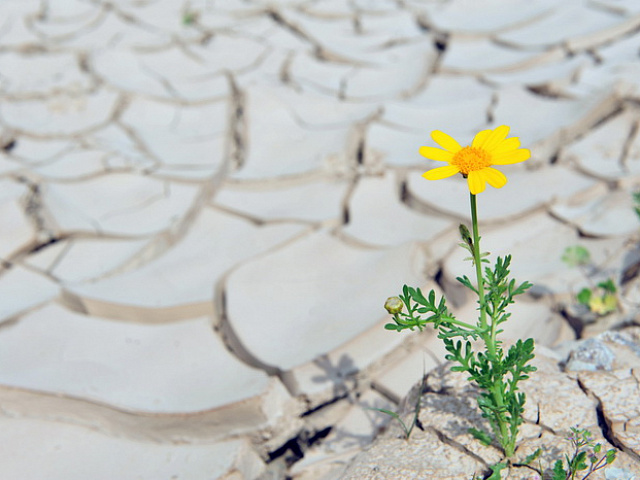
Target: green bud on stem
x,y
393,305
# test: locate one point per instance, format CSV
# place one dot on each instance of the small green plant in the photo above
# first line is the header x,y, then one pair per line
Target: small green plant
x,y
576,256
601,298
407,428
495,371
586,455
189,18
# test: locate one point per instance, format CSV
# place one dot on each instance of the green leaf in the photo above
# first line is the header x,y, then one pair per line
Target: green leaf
x,y
576,255
532,457
456,368
495,471
418,297
579,462
611,456
608,286
522,288
464,280
636,199
584,296
480,435
393,326
559,473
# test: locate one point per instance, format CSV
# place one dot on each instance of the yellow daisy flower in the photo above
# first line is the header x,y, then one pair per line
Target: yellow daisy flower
x,y
489,147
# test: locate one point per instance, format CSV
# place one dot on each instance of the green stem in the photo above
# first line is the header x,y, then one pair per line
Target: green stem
x,y
455,321
477,262
506,441
490,341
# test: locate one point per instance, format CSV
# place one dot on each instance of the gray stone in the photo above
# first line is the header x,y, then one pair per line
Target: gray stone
x,y
610,350
591,355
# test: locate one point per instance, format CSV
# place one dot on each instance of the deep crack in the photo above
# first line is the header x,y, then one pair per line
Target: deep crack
x,y
605,428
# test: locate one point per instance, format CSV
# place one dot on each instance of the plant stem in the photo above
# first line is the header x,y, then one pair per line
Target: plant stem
x,y
455,321
505,439
477,262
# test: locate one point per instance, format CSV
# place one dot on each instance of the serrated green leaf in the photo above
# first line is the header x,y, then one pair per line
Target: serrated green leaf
x,y
579,462
418,297
559,473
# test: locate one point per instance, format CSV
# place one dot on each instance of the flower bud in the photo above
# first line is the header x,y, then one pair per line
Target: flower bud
x,y
393,305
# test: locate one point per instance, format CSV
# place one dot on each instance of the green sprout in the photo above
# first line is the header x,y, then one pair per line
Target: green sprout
x,y
391,304
600,299
407,428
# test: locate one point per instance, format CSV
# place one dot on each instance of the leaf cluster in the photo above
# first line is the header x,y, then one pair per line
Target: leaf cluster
x,y
496,379
491,370
585,456
601,300
500,291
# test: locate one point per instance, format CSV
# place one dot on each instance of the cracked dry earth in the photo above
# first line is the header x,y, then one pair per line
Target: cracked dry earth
x,y
205,203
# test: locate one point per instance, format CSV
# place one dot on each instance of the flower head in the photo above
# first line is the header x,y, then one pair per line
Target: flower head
x,y
474,162
393,305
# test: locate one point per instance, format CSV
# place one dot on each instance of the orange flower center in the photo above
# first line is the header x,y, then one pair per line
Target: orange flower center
x,y
470,159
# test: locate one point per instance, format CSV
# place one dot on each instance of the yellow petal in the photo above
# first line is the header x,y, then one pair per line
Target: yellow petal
x,y
476,182
445,141
441,172
495,177
514,156
480,138
506,145
437,154
497,136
